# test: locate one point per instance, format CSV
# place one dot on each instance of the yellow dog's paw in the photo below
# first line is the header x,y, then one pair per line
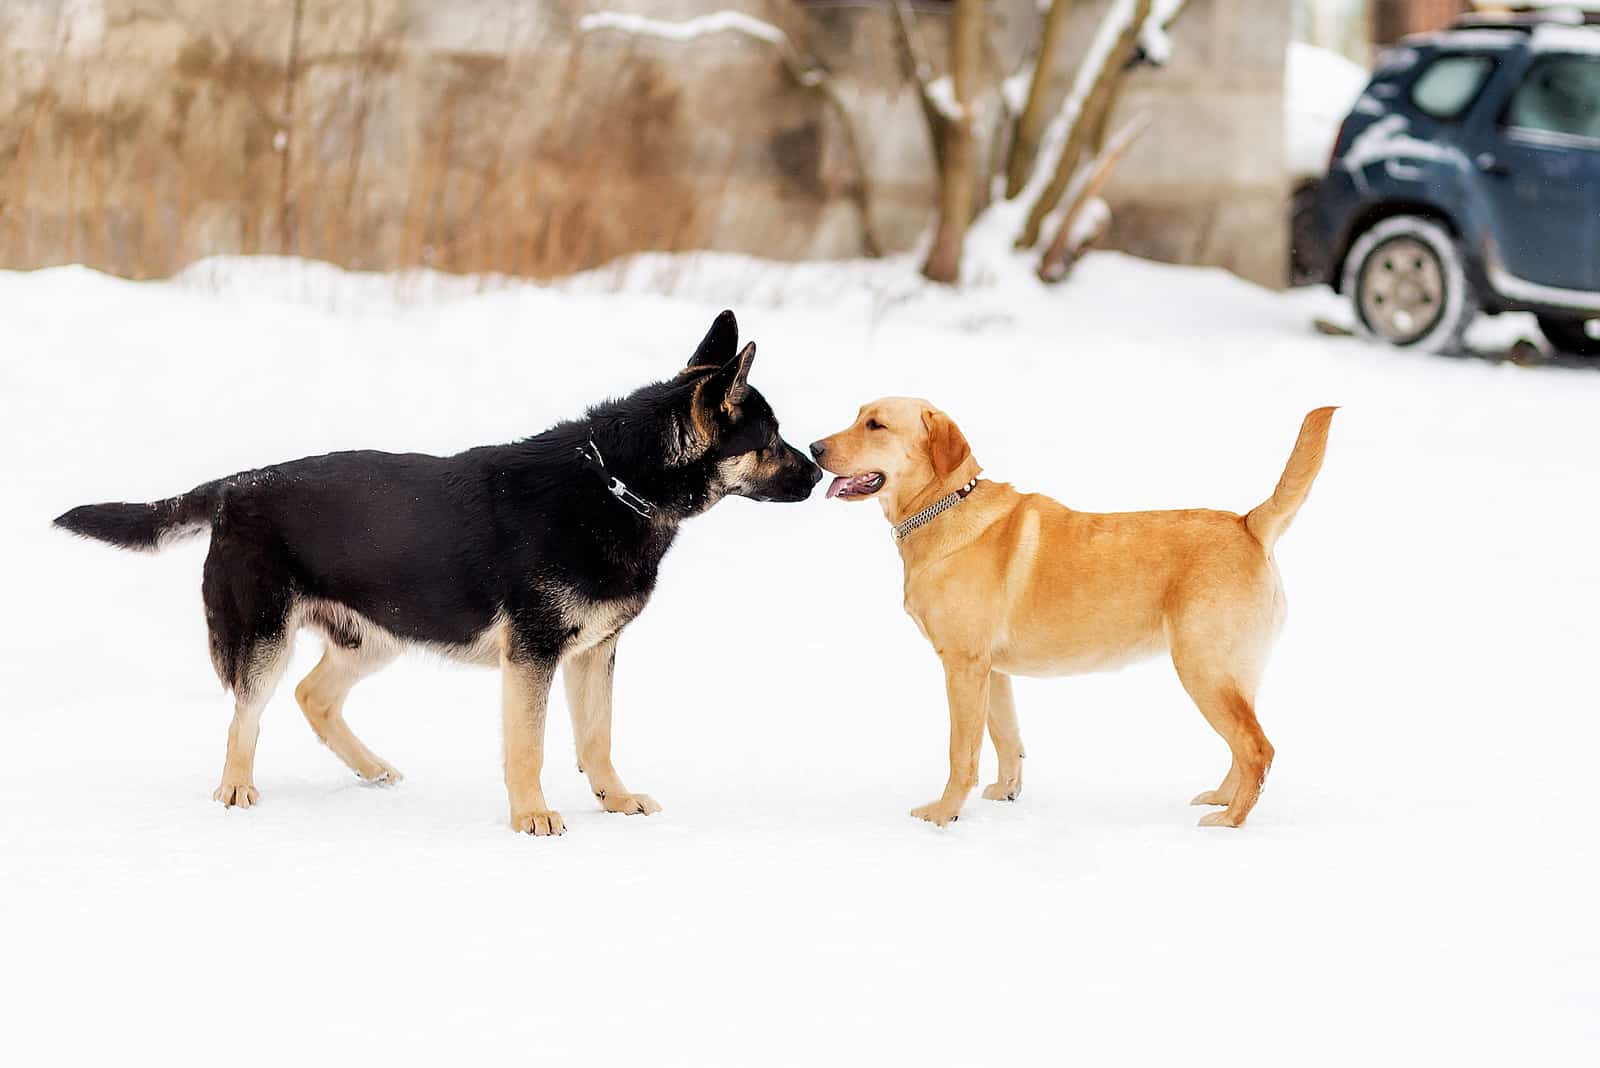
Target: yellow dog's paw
x,y
937,813
234,794
1002,791
1212,797
629,804
1220,819
538,822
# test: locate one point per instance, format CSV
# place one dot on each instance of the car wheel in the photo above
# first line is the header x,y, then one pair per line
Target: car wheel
x,y
1405,279
1580,337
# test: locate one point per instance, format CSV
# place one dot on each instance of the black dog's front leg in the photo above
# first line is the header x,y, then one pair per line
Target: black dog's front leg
x,y
525,691
589,679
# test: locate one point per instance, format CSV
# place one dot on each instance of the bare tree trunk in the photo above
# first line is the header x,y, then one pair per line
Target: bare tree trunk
x,y
1030,126
1090,118
959,170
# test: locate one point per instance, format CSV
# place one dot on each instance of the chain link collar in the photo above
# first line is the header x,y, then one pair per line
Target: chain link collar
x,y
592,459
938,507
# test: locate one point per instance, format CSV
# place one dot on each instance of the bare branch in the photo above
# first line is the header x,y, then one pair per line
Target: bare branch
x,y
914,55
1066,246
911,39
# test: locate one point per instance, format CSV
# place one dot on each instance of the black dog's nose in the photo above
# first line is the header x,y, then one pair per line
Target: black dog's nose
x,y
817,449
816,474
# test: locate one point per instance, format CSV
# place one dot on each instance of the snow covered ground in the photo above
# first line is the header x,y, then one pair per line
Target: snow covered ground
x,y
1417,885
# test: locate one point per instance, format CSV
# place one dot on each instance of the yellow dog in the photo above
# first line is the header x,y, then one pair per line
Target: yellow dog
x,y
1006,583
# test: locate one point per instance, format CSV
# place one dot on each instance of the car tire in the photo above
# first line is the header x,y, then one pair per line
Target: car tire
x,y
1307,264
1571,335
1406,283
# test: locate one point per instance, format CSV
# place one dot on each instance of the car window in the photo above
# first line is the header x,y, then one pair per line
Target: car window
x,y
1448,85
1561,95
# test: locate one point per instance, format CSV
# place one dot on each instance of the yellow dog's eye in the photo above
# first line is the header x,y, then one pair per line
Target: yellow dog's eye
x,y
873,424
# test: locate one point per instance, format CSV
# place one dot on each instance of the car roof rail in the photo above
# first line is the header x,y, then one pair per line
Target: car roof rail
x,y
1526,19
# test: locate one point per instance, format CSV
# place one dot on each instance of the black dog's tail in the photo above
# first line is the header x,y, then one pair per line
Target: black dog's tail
x,y
146,526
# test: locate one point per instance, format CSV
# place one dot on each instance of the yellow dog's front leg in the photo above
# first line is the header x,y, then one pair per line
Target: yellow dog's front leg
x,y
966,683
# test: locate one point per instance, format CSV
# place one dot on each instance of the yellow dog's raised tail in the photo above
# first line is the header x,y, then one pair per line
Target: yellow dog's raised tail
x,y
1268,520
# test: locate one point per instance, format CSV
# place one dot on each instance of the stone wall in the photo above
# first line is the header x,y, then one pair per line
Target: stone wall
x,y
490,135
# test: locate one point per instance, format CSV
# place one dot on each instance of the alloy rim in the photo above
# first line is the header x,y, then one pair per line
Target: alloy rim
x,y
1402,290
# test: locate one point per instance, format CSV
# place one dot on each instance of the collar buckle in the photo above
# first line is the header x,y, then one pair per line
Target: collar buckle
x,y
614,485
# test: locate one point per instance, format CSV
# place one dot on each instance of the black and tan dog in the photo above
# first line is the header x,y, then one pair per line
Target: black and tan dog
x,y
1006,583
528,556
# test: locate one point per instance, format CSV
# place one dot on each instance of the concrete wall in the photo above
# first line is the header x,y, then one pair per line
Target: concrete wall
x,y
1207,183
489,135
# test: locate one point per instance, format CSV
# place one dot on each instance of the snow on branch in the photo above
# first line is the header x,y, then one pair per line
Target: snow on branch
x,y
1092,220
1014,91
942,92
1153,39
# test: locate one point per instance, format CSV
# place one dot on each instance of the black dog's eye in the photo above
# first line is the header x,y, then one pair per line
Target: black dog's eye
x,y
873,424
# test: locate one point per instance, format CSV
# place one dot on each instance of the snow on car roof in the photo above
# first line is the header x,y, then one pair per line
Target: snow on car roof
x,y
1541,5
1566,39
1474,38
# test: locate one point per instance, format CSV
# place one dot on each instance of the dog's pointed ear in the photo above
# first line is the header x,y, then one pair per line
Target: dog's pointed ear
x,y
720,342
738,384
947,447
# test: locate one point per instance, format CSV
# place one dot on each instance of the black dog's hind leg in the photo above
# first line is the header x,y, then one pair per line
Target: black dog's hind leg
x,y
247,612
268,658
321,696
588,678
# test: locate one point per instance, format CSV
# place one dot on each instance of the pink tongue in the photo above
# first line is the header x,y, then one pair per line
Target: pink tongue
x,y
838,484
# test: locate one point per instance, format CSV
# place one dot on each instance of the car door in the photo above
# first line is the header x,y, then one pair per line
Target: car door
x,y
1540,167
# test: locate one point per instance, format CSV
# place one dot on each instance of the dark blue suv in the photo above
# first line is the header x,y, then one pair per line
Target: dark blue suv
x,y
1467,179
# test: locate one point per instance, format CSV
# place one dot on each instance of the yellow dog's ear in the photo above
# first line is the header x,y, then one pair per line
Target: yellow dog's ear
x,y
947,448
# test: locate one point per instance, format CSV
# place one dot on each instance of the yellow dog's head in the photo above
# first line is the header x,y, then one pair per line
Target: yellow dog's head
x,y
897,448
